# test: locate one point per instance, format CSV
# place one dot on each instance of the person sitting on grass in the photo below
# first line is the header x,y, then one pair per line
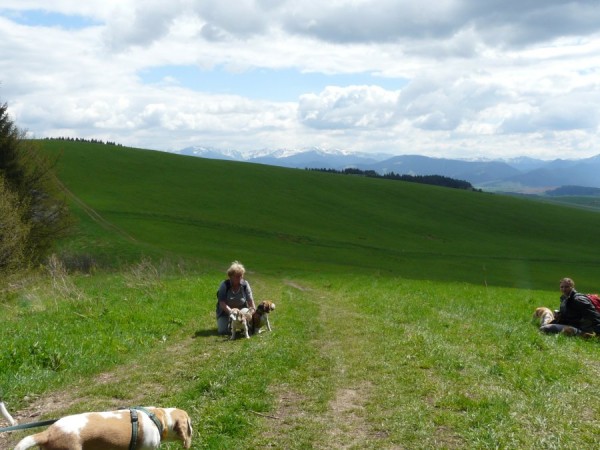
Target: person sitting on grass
x,y
577,316
235,292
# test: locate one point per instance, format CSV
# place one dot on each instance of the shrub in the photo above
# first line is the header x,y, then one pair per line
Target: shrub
x,y
35,202
14,232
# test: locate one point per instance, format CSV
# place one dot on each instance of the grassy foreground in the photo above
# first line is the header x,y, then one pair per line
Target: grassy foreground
x,y
352,362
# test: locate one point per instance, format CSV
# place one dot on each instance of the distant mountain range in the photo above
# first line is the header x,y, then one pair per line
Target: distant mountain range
x,y
523,175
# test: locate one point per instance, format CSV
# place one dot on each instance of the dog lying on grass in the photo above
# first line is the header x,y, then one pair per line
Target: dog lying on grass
x,y
112,430
6,414
545,315
240,320
260,318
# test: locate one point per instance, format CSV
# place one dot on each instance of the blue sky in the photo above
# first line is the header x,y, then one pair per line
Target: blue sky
x,y
42,18
285,85
457,78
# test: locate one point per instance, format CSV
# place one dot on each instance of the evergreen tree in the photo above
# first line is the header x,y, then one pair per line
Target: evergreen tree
x,y
28,174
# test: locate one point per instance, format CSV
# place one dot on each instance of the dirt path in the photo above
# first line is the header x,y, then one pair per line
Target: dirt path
x,y
345,421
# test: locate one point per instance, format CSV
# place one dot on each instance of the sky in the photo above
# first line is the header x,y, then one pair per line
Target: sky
x,y
451,78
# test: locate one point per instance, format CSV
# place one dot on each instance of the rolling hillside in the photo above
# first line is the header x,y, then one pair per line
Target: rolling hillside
x,y
398,324
287,220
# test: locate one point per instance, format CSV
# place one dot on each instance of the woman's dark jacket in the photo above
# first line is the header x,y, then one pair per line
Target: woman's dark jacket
x,y
578,311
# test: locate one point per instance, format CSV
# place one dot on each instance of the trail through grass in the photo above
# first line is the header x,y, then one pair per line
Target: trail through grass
x,y
353,362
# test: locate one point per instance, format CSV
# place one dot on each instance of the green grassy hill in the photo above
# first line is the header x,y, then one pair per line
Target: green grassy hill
x,y
403,313
279,220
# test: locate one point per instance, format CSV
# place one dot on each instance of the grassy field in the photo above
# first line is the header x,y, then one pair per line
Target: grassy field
x,y
352,362
279,220
403,315
589,202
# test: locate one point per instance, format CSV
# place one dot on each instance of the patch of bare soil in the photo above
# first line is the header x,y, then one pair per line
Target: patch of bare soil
x,y
348,428
288,413
446,438
347,424
40,409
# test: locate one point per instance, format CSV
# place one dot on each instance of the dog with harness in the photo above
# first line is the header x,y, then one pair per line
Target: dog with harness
x,y
124,429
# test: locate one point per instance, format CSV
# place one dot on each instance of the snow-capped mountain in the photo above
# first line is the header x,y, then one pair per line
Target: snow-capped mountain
x,y
279,154
520,174
211,153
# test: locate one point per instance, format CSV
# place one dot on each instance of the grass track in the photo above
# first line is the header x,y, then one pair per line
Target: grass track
x,y
356,362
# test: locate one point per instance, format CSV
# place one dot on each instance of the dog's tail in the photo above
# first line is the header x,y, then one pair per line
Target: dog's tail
x,y
32,441
6,414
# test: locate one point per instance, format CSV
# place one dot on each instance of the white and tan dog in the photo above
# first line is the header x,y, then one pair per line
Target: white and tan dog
x,y
260,318
545,315
112,430
6,414
240,320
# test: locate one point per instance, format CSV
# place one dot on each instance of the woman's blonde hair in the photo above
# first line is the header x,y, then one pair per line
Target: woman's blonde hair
x,y
236,268
569,282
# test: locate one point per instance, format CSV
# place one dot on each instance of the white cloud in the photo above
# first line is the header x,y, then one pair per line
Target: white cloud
x,y
352,107
473,78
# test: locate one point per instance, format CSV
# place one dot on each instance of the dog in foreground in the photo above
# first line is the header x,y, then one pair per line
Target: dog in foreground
x,y
6,414
260,318
240,320
112,430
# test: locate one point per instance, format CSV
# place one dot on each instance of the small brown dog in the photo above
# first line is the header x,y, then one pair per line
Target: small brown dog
x,y
260,318
240,320
112,430
545,315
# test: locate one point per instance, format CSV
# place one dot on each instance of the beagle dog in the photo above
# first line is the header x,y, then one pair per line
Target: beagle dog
x,y
6,414
260,318
240,320
112,430
545,315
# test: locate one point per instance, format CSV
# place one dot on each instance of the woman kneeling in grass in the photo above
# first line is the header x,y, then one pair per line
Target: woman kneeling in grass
x,y
234,292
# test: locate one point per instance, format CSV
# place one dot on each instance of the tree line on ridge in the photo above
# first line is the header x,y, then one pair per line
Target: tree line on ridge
x,y
436,180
